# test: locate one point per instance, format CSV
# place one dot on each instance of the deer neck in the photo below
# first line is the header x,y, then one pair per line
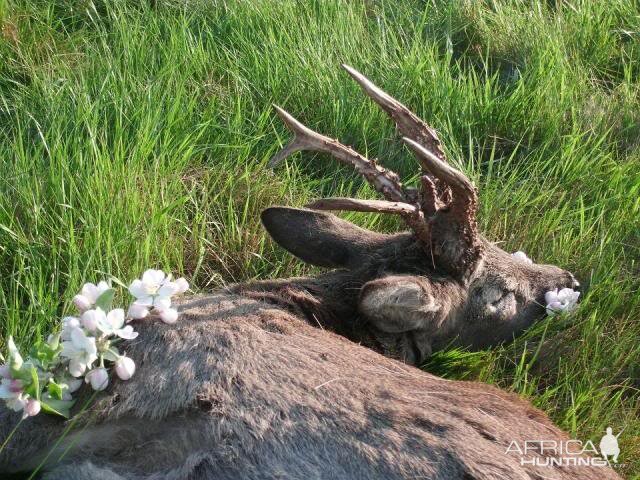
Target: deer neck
x,y
326,301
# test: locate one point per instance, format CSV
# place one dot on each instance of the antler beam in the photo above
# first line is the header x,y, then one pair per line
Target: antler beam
x,y
384,181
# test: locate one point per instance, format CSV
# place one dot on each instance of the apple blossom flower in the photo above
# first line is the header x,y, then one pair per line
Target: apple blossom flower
x,y
112,323
12,393
5,371
125,368
89,294
32,408
155,289
137,311
98,378
168,315
564,300
520,256
80,350
182,285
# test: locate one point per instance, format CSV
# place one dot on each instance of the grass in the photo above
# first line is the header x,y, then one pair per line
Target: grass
x,y
134,135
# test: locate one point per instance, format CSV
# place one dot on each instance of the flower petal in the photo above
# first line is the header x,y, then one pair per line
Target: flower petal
x,y
76,367
137,311
82,303
127,333
137,289
167,289
551,296
162,303
115,318
90,292
182,284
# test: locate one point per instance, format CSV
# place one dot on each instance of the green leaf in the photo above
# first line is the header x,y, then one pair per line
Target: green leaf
x,y
105,300
55,390
45,352
55,342
57,407
34,387
112,354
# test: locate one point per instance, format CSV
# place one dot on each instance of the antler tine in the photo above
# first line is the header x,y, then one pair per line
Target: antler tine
x,y
457,180
357,205
384,181
409,124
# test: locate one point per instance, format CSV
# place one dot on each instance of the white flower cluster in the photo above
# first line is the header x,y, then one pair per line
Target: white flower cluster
x,y
54,370
560,301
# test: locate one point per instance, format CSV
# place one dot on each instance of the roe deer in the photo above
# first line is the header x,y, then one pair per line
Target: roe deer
x,y
247,386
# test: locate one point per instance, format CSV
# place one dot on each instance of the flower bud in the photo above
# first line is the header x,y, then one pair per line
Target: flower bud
x,y
137,311
32,407
89,319
98,378
169,315
182,285
82,303
125,368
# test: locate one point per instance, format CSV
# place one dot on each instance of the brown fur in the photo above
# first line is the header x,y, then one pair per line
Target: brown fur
x,y
246,388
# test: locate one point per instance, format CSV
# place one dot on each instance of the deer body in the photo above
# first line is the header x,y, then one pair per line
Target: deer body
x,y
307,378
242,388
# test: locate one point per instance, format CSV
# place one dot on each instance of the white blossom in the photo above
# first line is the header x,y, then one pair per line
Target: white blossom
x,y
112,323
12,393
182,285
89,294
564,300
125,368
98,378
80,350
520,256
155,289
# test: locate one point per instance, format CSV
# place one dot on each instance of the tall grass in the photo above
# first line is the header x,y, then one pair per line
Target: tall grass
x,y
134,135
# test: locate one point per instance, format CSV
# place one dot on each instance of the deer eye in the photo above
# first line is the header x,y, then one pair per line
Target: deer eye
x,y
505,306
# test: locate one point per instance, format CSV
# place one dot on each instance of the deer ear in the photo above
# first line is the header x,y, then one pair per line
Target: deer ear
x,y
320,238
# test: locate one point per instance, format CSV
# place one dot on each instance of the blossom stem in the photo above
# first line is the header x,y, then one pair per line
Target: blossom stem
x,y
6,441
66,431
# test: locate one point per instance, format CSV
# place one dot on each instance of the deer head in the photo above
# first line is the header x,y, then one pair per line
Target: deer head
x,y
443,282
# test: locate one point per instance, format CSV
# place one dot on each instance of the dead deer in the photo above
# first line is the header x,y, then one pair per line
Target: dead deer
x,y
264,380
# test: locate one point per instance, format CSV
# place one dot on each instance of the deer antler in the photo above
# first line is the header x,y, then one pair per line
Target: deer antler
x,y
446,198
383,180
